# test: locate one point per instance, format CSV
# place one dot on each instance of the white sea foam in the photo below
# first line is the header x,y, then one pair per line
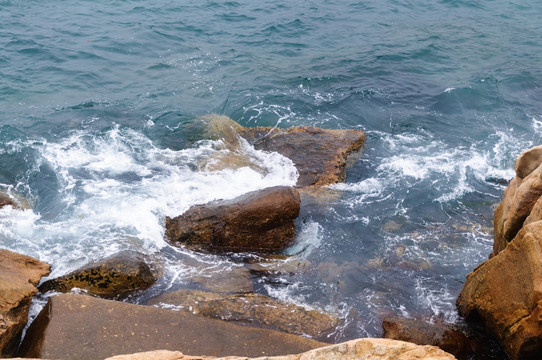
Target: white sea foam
x,y
118,188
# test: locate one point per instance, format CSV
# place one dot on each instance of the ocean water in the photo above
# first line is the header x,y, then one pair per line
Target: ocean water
x,y
97,101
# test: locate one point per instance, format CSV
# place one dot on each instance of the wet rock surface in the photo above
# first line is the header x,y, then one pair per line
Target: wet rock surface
x,y
253,309
83,327
367,349
320,155
115,276
259,221
450,338
505,294
19,275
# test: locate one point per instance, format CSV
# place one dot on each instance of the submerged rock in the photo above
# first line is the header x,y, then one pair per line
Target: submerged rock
x,y
260,221
448,337
254,309
82,327
367,349
505,294
114,276
236,279
19,275
320,155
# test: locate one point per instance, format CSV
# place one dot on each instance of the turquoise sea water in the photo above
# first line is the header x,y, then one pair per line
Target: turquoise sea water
x,y
95,98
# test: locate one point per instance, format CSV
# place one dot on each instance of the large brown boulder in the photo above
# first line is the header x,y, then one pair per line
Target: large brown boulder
x,y
366,349
115,276
519,198
19,275
448,337
505,293
256,309
82,327
259,221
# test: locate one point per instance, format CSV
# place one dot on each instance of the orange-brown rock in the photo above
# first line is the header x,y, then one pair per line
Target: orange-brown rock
x,y
82,327
259,221
519,198
360,349
448,337
253,309
505,293
115,276
19,275
318,154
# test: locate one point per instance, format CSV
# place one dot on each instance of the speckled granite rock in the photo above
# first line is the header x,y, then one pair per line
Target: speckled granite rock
x,y
114,276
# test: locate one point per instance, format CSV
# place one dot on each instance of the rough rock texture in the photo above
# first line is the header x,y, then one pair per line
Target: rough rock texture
x,y
261,221
19,275
256,309
361,349
505,293
117,275
446,336
318,154
519,198
82,327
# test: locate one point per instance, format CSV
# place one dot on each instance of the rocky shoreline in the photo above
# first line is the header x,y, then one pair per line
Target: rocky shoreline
x,y
93,324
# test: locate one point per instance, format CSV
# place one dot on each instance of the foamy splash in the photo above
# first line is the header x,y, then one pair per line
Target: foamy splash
x,y
114,191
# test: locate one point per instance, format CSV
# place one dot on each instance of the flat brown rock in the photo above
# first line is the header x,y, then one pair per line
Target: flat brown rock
x,y
256,309
116,275
19,275
82,327
260,221
505,294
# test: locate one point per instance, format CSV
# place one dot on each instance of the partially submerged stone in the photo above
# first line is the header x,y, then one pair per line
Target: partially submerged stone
x,y
320,155
236,279
259,221
19,275
82,327
117,275
505,294
448,337
253,309
360,349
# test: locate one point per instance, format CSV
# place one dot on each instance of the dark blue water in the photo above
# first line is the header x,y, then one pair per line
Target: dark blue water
x,y
96,99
